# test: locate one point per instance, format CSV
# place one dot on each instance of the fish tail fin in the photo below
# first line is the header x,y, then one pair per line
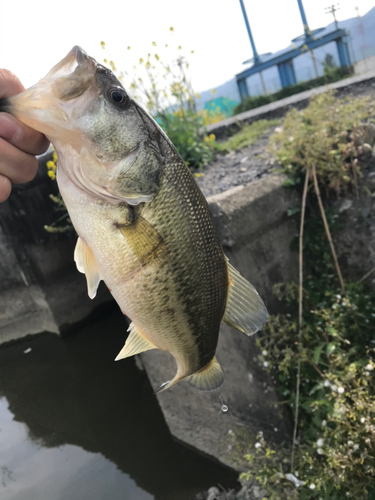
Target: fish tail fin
x,y
209,378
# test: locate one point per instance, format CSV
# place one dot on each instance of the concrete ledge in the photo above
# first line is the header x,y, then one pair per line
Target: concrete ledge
x,y
279,108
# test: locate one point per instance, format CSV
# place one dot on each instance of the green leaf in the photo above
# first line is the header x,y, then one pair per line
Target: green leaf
x,y
317,353
293,210
330,348
289,183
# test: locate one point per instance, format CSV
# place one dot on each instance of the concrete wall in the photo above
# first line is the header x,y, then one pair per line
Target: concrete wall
x,y
40,288
364,66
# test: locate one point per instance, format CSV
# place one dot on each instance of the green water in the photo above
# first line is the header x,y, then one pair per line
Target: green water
x,y
75,425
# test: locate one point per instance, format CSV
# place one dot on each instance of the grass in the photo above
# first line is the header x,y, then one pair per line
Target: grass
x,y
248,135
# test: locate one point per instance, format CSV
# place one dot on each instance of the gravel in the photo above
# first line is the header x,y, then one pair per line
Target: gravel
x,y
237,167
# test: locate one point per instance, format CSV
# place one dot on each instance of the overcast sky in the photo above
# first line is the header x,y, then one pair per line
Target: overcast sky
x,y
36,34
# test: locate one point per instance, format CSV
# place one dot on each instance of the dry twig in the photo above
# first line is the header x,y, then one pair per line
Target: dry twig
x,y
316,185
300,311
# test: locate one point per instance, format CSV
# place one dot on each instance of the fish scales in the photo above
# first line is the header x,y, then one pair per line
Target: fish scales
x,y
144,226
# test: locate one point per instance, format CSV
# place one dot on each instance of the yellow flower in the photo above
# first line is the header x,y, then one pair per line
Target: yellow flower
x,y
102,45
156,57
171,29
192,52
141,61
113,66
105,61
212,137
51,174
213,91
154,44
128,47
179,47
199,174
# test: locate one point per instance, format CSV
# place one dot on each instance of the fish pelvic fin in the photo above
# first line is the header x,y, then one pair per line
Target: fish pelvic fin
x,y
245,310
209,378
135,344
86,264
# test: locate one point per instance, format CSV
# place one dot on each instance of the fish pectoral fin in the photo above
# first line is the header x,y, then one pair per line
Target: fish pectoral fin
x,y
143,239
245,310
209,378
135,344
86,263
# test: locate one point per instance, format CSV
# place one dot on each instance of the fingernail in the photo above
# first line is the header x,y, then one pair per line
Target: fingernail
x,y
9,129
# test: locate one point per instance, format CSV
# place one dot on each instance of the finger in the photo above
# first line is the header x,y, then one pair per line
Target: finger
x,y
20,135
9,84
15,164
5,188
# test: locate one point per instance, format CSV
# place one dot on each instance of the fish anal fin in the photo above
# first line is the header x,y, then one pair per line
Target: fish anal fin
x,y
135,344
86,263
209,378
143,239
245,310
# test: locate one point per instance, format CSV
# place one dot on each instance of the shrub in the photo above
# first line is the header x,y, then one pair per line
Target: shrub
x,y
321,348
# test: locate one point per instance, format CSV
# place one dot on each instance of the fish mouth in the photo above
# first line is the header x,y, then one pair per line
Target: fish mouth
x,y
46,106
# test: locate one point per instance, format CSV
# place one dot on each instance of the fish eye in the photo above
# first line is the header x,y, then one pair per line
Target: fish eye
x,y
118,96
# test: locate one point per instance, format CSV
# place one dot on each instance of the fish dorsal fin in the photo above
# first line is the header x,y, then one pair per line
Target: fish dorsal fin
x,y
245,309
86,264
135,344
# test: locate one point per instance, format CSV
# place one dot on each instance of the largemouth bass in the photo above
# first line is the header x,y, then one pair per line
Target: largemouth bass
x,y
144,226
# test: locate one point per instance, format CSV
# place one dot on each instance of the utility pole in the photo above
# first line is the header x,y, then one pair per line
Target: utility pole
x,y
255,53
332,10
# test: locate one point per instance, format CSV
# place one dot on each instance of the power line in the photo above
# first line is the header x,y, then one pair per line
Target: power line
x,y
332,10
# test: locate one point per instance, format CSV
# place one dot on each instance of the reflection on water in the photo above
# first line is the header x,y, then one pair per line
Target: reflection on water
x,y
28,470
76,425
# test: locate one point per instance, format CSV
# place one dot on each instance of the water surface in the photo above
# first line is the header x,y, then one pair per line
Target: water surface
x,y
76,425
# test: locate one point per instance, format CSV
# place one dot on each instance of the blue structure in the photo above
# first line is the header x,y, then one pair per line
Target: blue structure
x,y
284,61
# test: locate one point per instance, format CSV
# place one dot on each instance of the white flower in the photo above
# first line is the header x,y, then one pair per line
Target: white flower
x,y
369,367
278,130
338,297
350,443
320,451
264,353
257,445
291,138
327,383
312,486
265,364
356,447
293,479
363,420
334,388
320,442
324,423
340,390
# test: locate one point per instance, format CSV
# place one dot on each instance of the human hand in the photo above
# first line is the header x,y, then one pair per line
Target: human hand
x,y
18,142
